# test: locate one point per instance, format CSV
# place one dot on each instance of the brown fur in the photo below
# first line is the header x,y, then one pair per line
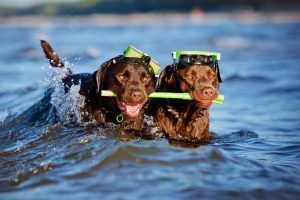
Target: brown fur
x,y
185,120
132,83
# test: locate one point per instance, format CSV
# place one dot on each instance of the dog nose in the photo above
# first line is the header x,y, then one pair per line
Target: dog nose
x,y
136,95
208,93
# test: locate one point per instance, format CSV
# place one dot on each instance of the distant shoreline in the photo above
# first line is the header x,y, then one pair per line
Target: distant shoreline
x,y
151,19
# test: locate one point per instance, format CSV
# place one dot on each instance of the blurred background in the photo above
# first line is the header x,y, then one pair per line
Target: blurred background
x,y
86,7
254,153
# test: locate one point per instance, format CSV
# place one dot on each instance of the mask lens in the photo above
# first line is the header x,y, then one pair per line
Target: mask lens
x,y
188,60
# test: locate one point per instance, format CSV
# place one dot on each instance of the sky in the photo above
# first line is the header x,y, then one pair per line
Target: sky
x,y
25,3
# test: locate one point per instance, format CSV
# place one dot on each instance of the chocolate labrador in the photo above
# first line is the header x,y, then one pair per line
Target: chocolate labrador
x,y
184,120
129,78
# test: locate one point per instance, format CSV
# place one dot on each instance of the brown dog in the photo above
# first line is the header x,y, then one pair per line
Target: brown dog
x,y
185,120
129,78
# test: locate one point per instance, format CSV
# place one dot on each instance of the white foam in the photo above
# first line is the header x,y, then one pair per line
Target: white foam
x,y
68,105
152,127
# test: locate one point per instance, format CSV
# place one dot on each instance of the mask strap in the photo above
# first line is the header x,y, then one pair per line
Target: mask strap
x,y
174,65
218,72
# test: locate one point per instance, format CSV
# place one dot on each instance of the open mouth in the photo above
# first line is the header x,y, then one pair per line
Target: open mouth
x,y
130,111
202,102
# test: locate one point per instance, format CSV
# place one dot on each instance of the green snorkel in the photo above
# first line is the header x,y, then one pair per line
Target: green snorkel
x,y
132,52
167,95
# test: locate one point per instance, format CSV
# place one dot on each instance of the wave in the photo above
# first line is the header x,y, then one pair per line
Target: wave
x,y
237,77
67,104
241,136
283,89
57,105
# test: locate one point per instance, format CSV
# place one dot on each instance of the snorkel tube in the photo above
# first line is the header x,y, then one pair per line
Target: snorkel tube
x,y
167,95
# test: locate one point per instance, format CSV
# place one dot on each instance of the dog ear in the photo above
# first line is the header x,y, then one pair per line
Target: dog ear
x,y
100,74
166,79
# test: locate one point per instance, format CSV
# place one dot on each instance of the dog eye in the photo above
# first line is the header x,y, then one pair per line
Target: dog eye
x,y
122,77
189,77
211,75
146,78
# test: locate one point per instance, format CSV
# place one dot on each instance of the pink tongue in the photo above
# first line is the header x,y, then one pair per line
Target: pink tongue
x,y
132,108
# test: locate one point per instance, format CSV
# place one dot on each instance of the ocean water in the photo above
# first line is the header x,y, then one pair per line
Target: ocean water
x,y
255,150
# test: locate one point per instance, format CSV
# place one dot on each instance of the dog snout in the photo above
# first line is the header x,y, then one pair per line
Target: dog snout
x,y
136,95
208,93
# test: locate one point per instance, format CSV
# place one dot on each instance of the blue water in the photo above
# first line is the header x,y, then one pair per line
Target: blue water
x,y
255,151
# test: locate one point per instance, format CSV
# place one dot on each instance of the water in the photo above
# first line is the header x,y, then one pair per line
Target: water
x,y
255,151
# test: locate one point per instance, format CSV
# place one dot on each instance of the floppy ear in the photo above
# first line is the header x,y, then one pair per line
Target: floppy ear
x,y
166,79
100,74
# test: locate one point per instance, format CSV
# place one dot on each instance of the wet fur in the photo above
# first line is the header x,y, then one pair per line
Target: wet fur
x,y
103,109
183,120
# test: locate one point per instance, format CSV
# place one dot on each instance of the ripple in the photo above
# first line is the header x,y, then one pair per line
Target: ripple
x,y
24,174
242,136
283,90
237,77
41,154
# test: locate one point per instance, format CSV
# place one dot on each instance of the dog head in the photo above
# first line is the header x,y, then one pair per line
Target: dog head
x,y
130,79
199,78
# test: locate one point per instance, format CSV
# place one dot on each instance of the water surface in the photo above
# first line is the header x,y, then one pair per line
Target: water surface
x,y
255,150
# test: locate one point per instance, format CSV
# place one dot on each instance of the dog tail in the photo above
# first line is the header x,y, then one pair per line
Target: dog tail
x,y
54,59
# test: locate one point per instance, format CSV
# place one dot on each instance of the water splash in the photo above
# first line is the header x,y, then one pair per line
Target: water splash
x,y
67,104
152,129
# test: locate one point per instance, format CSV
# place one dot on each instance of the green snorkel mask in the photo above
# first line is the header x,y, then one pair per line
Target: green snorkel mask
x,y
188,58
133,53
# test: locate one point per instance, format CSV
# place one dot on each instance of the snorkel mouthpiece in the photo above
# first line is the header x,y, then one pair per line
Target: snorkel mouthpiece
x,y
167,95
